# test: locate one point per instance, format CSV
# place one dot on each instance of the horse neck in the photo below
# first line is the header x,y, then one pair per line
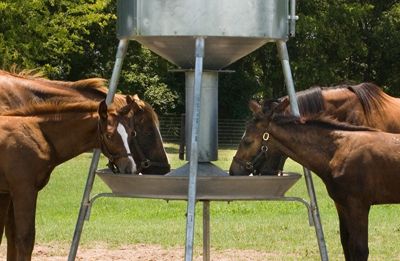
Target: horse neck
x,y
345,106
309,146
70,135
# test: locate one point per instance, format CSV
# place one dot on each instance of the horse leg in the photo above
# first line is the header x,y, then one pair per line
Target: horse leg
x,y
24,206
353,220
4,203
344,233
10,234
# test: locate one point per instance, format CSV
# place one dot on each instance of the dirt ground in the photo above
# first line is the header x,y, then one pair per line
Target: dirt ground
x,y
140,252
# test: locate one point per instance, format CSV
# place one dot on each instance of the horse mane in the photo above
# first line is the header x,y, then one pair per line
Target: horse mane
x,y
150,111
370,96
49,108
96,86
320,120
25,73
310,101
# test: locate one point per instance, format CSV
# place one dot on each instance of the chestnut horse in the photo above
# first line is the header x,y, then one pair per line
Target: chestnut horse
x,y
34,141
17,90
358,165
363,104
20,89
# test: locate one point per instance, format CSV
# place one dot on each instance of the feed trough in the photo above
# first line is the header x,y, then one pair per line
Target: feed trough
x,y
208,187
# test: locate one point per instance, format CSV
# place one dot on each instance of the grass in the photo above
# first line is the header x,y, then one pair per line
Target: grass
x,y
277,227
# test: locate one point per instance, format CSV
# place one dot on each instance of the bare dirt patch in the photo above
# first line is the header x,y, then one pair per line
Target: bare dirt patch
x,y
141,252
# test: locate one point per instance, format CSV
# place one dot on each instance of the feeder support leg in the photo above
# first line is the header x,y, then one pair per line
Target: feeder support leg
x,y
284,57
193,165
206,230
83,211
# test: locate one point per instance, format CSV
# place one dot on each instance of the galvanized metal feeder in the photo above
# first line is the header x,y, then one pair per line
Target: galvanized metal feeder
x,y
202,37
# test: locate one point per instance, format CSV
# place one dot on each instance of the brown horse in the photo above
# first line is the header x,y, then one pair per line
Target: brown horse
x,y
110,130
363,104
34,141
20,89
358,165
17,90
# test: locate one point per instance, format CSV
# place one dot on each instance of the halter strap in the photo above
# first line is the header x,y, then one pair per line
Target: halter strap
x,y
111,157
145,162
252,165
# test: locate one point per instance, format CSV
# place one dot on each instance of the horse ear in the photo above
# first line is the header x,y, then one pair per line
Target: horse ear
x,y
128,99
137,103
136,97
282,105
103,110
254,106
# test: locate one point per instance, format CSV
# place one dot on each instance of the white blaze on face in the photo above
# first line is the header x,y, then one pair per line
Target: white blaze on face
x,y
124,135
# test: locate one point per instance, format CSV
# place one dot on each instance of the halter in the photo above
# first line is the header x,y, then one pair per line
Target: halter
x,y
251,165
144,162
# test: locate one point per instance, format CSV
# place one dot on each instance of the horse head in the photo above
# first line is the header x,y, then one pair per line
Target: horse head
x,y
114,134
257,153
146,145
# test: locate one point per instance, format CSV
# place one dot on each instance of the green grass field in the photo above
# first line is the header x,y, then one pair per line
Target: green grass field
x,y
277,227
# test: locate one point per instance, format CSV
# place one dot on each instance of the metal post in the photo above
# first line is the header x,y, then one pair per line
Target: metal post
x,y
182,138
206,230
119,59
284,57
292,18
122,48
193,164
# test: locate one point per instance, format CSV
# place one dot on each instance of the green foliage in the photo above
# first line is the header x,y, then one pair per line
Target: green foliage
x,y
341,41
53,35
148,75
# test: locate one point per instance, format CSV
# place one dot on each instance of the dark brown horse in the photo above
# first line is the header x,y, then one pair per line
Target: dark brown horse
x,y
137,115
34,141
358,165
363,104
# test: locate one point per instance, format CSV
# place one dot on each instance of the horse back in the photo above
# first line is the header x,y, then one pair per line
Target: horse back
x,y
366,165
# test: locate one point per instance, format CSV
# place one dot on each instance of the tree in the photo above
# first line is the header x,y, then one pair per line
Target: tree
x,y
53,35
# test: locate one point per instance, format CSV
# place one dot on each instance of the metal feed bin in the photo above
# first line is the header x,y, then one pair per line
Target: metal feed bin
x,y
234,28
202,37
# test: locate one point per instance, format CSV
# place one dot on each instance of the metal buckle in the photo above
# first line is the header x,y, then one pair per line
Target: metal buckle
x,y
249,165
145,164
